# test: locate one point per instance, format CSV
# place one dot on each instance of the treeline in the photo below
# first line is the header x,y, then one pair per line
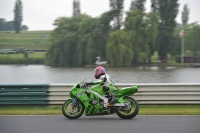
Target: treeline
x,y
78,40
191,39
16,24
9,25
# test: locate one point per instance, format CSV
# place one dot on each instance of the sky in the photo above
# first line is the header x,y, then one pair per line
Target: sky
x,y
40,14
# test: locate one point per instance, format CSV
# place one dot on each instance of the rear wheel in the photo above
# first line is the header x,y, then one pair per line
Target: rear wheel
x,y
72,112
131,112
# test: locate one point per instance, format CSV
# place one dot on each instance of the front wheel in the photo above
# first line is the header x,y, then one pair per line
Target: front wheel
x,y
72,112
131,112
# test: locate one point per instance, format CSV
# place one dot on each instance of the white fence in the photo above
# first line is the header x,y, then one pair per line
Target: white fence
x,y
163,93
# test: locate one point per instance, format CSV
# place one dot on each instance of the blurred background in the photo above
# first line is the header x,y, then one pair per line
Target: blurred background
x,y
138,41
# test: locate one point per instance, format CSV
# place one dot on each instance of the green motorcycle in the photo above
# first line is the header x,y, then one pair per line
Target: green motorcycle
x,y
93,99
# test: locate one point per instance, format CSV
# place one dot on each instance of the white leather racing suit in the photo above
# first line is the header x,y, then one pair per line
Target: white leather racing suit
x,y
105,80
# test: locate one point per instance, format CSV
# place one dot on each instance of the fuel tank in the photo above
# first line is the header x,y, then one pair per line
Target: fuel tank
x,y
100,90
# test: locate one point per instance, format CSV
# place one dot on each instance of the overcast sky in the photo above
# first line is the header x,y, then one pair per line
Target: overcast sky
x,y
40,14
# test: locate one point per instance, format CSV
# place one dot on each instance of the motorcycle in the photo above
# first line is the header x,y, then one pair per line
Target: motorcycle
x,y
94,100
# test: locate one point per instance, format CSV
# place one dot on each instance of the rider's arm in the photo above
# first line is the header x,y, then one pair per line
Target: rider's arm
x,y
98,82
101,81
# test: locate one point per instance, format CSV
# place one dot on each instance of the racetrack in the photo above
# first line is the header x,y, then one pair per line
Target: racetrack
x,y
99,124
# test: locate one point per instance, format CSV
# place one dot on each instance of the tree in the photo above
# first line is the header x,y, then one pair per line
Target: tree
x,y
104,29
138,4
18,16
93,37
152,32
119,51
78,40
24,28
185,14
76,8
64,40
88,44
143,29
168,10
6,25
154,6
2,24
116,7
9,26
133,5
191,37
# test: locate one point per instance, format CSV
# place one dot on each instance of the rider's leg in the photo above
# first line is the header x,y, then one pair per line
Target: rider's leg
x,y
112,97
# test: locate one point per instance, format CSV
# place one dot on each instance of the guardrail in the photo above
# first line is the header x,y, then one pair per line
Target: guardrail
x,y
24,94
56,94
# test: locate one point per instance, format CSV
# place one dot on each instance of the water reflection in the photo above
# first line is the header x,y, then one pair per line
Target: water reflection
x,y
39,74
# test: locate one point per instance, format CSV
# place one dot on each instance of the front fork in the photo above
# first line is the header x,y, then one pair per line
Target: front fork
x,y
75,103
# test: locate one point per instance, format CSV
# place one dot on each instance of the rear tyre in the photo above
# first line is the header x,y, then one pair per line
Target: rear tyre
x,y
72,112
132,112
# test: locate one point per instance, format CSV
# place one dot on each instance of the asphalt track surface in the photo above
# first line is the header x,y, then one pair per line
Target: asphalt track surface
x,y
100,124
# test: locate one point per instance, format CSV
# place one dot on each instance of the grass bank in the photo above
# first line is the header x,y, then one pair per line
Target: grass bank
x,y
33,58
144,110
30,40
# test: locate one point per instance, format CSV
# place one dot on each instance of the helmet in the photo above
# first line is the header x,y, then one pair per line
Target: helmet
x,y
98,71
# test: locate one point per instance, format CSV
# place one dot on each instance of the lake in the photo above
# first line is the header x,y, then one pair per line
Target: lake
x,y
40,74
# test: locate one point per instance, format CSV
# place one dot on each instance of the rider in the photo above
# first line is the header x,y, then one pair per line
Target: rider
x,y
104,79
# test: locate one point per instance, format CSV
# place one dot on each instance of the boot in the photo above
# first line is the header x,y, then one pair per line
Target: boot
x,y
113,98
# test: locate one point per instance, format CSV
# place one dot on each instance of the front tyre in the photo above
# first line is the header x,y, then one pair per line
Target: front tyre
x,y
131,112
72,112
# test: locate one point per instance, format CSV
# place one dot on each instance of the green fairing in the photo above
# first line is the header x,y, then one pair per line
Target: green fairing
x,y
86,99
85,96
127,91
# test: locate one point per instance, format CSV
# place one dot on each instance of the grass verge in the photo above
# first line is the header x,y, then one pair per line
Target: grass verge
x,y
21,56
33,58
144,110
